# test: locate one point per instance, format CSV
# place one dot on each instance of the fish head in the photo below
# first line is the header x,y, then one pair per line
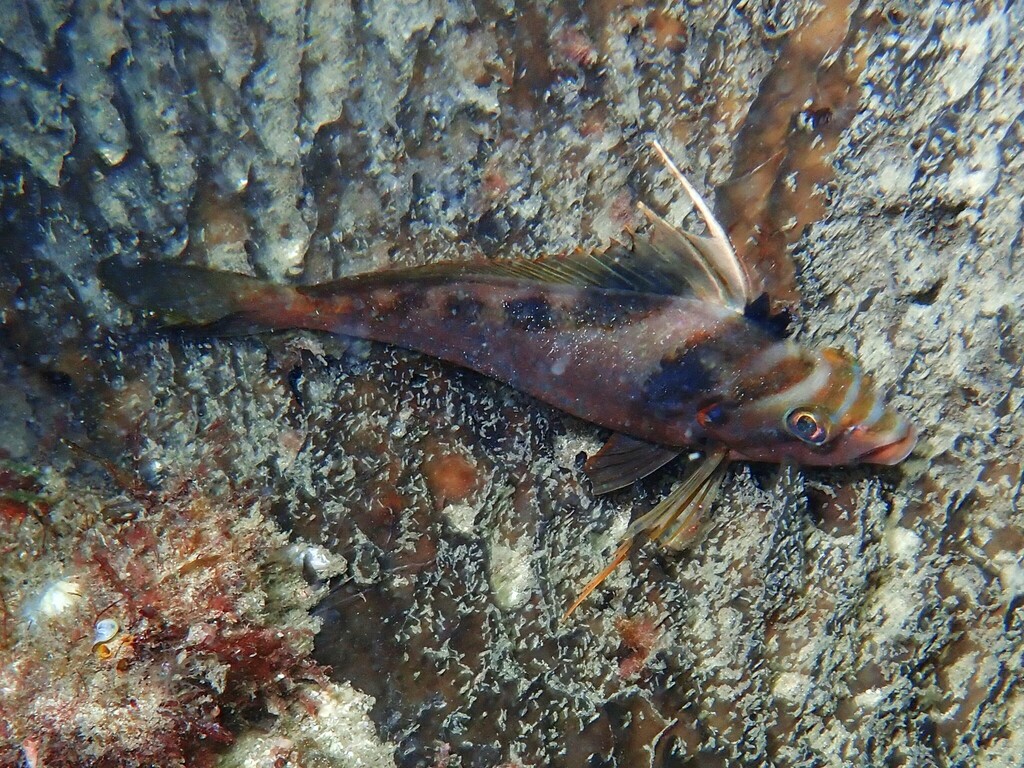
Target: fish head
x,y
810,408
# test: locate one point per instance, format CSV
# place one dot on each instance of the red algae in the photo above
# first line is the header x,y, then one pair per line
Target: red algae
x,y
21,496
192,645
640,635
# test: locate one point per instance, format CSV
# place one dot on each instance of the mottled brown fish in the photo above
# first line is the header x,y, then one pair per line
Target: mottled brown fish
x,y
662,341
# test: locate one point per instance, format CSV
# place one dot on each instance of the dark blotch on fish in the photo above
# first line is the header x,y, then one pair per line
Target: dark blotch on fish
x,y
407,301
680,379
532,314
603,310
463,307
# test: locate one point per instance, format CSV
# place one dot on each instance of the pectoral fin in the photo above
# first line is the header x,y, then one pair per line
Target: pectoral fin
x,y
623,460
674,522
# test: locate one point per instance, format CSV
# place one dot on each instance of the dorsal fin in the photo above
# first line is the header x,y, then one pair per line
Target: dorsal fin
x,y
618,268
689,252
644,267
724,273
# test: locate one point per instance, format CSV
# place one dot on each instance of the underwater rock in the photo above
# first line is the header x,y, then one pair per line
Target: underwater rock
x,y
840,617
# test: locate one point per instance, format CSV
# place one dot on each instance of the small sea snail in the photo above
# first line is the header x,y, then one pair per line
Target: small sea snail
x,y
103,634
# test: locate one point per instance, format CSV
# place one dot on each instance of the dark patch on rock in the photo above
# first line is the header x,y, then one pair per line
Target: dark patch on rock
x,y
491,229
929,295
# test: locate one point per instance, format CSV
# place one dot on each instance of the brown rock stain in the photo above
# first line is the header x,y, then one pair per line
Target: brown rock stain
x,y
667,31
450,476
781,159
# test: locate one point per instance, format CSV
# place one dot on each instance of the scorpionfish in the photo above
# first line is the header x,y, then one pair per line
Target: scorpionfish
x,y
666,341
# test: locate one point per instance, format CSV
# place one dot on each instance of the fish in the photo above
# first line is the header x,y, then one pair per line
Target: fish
x,y
665,340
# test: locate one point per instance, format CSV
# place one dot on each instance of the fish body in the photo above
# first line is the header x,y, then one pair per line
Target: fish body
x,y
592,352
666,342
673,370
602,355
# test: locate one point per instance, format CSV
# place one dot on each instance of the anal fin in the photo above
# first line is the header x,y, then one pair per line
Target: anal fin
x,y
623,460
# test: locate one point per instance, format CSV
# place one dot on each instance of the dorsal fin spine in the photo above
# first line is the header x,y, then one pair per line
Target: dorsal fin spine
x,y
731,270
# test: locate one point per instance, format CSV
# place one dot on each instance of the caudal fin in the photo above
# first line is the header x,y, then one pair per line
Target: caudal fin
x,y
186,295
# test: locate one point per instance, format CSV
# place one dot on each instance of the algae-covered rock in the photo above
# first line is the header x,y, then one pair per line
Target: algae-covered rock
x,y
829,617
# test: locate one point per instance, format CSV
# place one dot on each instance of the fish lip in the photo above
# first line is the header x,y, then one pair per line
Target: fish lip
x,y
894,452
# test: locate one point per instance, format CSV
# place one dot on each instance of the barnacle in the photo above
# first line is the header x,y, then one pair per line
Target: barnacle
x,y
56,597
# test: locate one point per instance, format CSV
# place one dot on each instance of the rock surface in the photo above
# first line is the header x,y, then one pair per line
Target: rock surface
x,y
845,617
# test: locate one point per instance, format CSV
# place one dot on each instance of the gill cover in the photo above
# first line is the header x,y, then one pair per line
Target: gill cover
x,y
817,409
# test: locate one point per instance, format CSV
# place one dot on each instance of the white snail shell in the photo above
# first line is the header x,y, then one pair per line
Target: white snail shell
x,y
105,630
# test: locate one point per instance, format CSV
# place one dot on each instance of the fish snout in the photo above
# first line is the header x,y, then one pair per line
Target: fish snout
x,y
888,442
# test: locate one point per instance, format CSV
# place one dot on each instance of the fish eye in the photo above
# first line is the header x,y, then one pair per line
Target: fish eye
x,y
807,425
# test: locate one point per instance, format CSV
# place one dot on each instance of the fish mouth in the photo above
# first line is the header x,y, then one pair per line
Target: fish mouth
x,y
894,452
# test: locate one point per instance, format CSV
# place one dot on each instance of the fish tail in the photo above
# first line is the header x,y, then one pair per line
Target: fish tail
x,y
187,295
